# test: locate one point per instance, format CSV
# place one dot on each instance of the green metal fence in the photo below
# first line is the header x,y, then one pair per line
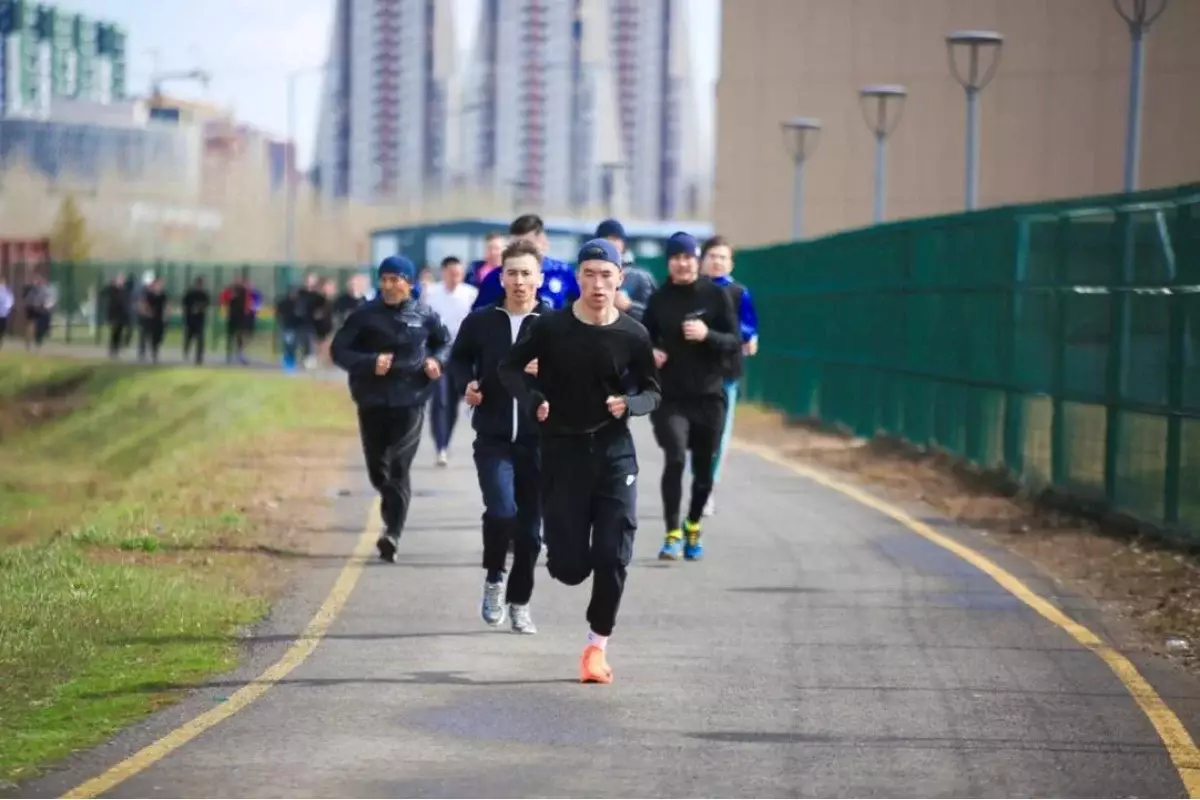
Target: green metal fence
x,y
1058,342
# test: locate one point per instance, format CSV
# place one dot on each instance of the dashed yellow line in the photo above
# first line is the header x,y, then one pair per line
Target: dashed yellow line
x,y
1175,737
295,655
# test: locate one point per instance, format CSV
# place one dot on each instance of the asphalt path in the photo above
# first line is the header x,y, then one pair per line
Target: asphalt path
x,y
820,649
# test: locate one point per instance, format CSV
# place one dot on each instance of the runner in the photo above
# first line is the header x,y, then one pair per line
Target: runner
x,y
506,439
595,370
493,250
559,287
716,261
451,299
693,326
152,320
636,284
195,317
7,301
393,349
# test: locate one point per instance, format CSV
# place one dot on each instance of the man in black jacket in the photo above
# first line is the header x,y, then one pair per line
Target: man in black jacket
x,y
393,349
506,438
694,329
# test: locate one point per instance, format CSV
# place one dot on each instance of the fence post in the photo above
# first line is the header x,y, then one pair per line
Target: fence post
x,y
1177,332
99,312
1058,364
70,301
1014,400
1118,349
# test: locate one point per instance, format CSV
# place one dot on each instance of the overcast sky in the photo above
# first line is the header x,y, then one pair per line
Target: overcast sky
x,y
249,46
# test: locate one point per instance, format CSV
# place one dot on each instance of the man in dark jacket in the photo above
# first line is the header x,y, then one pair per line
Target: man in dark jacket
x,y
393,349
116,313
694,330
506,438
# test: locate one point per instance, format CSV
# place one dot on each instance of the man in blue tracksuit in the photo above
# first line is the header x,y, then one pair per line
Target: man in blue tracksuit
x,y
393,349
717,263
559,287
507,457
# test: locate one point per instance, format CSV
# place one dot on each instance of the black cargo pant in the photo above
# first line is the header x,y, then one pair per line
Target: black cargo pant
x,y
193,335
682,426
589,515
390,437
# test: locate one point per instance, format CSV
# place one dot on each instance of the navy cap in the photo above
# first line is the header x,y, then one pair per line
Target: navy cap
x,y
610,228
682,243
400,266
599,250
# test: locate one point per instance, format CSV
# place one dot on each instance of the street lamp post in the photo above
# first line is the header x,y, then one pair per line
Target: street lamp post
x,y
874,100
1140,17
977,43
800,135
290,170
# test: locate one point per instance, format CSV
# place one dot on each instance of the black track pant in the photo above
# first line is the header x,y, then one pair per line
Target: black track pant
x,y
589,515
390,437
681,427
193,335
118,335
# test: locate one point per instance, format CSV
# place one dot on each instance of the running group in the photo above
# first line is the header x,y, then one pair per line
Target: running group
x,y
553,362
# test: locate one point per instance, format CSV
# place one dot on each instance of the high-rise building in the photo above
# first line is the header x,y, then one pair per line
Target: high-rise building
x,y
47,53
582,102
382,128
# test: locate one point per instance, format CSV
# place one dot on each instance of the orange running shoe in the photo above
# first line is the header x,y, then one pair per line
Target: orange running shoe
x,y
593,666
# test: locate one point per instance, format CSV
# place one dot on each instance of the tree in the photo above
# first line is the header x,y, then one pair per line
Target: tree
x,y
69,241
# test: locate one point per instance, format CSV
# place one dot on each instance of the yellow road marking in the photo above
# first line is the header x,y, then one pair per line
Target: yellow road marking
x,y
1175,737
299,650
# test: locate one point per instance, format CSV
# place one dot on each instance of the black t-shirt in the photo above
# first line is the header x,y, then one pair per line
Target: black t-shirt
x,y
196,303
237,304
156,304
579,367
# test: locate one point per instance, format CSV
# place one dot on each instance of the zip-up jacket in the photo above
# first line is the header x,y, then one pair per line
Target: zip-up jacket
x,y
483,341
559,287
692,368
410,332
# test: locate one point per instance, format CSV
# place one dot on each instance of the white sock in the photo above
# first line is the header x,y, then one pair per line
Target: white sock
x,y
598,640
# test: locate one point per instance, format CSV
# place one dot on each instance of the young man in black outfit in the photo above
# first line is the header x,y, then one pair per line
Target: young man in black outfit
x,y
506,438
195,316
393,349
595,370
694,328
152,317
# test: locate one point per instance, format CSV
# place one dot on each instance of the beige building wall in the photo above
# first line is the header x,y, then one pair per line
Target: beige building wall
x,y
1052,122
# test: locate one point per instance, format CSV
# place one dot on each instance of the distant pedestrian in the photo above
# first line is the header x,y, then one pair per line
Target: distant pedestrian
x,y
152,321
38,301
393,349
195,319
237,301
451,298
6,307
115,298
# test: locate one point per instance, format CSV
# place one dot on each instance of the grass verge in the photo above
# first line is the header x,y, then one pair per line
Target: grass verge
x,y
135,505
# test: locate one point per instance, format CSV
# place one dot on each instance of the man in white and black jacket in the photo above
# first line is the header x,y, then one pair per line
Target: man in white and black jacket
x,y
507,456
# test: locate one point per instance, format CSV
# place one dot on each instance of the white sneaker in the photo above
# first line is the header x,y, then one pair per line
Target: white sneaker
x,y
442,458
492,610
710,506
522,622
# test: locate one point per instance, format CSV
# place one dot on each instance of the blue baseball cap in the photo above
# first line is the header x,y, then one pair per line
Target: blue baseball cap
x,y
599,250
399,266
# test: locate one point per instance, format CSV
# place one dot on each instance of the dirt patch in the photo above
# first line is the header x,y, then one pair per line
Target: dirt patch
x,y
1149,585
41,403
